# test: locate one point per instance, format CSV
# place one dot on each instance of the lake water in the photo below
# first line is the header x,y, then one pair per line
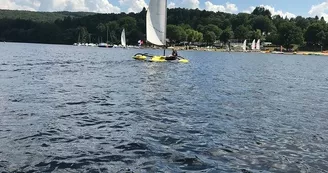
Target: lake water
x,y
85,109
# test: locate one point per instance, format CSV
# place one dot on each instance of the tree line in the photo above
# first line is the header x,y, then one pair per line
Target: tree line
x,y
184,25
40,16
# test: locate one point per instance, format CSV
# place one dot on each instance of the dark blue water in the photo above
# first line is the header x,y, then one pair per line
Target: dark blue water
x,y
84,109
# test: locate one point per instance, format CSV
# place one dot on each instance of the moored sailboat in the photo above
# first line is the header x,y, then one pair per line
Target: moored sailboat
x,y
105,45
245,46
258,45
123,39
253,45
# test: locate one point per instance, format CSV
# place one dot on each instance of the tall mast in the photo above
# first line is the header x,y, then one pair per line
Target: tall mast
x,y
107,36
165,26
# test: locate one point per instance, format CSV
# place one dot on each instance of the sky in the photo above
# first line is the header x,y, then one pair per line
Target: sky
x,y
289,8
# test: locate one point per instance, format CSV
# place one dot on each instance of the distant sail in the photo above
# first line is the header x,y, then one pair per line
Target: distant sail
x,y
253,45
258,44
123,39
244,45
156,22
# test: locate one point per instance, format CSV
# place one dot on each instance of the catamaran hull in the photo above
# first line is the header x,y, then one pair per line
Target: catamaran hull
x,y
140,57
159,59
167,59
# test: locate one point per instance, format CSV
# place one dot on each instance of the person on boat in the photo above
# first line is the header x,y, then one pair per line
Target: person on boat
x,y
174,55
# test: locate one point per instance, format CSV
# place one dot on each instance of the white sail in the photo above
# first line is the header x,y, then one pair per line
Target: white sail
x,y
156,22
253,44
258,44
244,45
123,39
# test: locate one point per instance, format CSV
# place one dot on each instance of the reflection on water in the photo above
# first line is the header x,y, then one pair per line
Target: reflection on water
x,y
81,109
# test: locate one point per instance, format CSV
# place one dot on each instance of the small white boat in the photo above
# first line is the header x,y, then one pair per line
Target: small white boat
x,y
244,46
258,45
105,45
277,52
253,45
123,39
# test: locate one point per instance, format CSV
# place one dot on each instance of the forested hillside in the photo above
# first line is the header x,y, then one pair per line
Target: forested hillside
x,y
40,16
190,25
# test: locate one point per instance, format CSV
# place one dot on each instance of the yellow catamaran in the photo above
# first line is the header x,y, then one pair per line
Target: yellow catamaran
x,y
156,22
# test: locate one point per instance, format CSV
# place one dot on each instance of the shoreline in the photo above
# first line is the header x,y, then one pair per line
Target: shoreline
x,y
316,53
183,48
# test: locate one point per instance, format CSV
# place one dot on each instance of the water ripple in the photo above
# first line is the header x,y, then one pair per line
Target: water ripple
x,y
82,109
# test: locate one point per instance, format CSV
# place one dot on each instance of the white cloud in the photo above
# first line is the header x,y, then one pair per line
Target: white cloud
x,y
319,10
30,5
133,5
100,6
228,8
171,5
190,4
249,10
272,10
104,6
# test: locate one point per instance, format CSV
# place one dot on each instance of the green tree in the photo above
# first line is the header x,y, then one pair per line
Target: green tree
x,y
191,35
241,32
134,36
302,22
199,37
256,34
322,37
176,33
128,23
322,19
225,24
209,37
261,11
83,33
240,19
213,28
101,30
185,26
226,35
290,34
311,34
183,35
200,28
112,29
262,23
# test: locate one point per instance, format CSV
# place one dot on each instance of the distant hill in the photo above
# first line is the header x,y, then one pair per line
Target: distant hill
x,y
40,16
184,25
